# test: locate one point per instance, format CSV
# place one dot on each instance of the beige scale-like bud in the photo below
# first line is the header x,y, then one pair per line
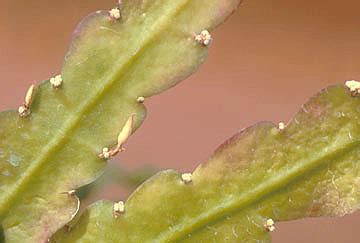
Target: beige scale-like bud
x,y
29,95
126,131
123,136
24,110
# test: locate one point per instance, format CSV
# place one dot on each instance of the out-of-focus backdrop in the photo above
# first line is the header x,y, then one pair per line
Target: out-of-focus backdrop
x,y
267,60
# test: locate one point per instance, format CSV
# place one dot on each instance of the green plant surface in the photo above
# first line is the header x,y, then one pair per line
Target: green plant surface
x,y
309,168
111,62
118,175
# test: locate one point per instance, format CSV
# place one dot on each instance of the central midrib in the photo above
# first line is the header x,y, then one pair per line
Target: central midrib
x,y
282,179
71,123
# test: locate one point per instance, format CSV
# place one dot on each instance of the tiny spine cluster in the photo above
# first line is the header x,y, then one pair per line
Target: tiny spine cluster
x,y
353,86
269,225
204,38
118,208
56,81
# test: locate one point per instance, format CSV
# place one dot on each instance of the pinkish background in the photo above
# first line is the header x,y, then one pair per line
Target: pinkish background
x,y
268,58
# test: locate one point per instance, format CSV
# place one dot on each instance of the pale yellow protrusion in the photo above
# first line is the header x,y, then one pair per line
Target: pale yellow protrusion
x,y
121,140
186,178
126,131
140,99
118,208
269,225
115,13
353,86
29,95
24,110
56,81
204,38
281,126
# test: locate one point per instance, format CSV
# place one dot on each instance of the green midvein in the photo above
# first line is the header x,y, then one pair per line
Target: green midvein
x,y
282,179
160,25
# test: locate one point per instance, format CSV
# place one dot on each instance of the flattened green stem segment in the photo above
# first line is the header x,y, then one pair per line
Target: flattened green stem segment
x,y
109,66
309,168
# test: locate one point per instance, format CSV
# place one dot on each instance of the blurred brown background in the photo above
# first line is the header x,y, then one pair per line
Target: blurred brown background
x,y
264,63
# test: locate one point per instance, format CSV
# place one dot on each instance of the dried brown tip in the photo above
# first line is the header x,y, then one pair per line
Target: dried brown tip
x,y
269,225
204,38
186,178
118,208
67,228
